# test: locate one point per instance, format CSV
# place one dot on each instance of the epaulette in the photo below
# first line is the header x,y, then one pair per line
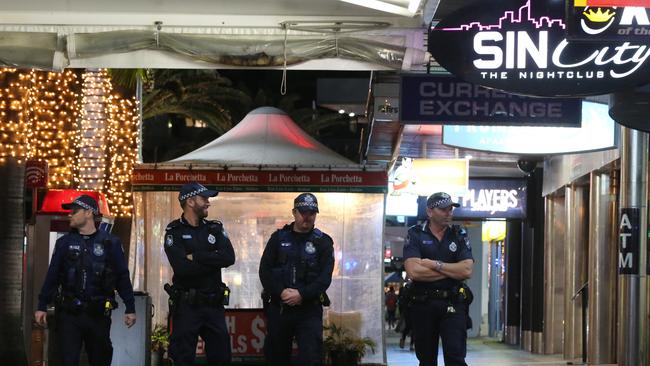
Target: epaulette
x,y
173,224
459,230
214,223
418,227
318,233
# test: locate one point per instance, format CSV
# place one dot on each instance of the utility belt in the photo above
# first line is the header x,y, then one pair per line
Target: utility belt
x,y
94,305
458,295
417,295
196,297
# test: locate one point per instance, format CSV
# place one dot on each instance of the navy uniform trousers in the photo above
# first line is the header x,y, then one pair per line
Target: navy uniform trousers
x,y
305,322
92,330
431,321
208,321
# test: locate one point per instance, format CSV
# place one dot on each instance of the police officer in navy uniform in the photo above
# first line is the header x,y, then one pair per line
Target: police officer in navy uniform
x,y
197,250
438,258
296,270
86,267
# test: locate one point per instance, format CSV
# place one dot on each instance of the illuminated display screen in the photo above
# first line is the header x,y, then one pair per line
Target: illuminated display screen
x,y
598,132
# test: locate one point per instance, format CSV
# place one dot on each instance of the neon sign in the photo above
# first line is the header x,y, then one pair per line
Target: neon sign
x,y
608,20
522,48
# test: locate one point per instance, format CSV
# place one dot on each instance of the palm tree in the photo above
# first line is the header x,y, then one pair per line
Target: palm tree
x,y
311,120
198,94
12,350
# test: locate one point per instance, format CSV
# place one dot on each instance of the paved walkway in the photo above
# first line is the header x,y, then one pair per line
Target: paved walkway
x,y
480,352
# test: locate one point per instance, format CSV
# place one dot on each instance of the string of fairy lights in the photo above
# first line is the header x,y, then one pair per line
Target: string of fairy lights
x,y
76,122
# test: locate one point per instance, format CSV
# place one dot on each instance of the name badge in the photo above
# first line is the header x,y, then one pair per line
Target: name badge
x,y
187,236
427,242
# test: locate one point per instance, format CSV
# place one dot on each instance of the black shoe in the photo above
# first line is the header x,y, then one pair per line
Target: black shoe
x,y
401,342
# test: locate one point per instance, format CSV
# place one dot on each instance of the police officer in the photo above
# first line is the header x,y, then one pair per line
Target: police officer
x,y
197,250
86,267
296,270
438,258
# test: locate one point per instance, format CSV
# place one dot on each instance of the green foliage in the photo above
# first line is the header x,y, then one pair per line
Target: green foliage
x,y
338,340
159,338
128,78
198,94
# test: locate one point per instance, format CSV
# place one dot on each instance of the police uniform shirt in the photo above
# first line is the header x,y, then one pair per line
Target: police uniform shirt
x,y
421,243
210,248
315,248
94,252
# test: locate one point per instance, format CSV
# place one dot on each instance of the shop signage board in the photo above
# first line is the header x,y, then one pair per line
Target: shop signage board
x,y
622,20
439,99
36,174
598,132
629,235
386,109
521,47
247,330
493,198
261,181
436,175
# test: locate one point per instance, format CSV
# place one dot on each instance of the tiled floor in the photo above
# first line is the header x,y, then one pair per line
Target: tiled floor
x,y
480,352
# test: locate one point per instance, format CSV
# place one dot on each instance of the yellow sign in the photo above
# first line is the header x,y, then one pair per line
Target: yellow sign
x,y
423,177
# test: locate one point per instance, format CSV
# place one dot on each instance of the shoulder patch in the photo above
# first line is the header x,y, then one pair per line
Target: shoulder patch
x,y
169,240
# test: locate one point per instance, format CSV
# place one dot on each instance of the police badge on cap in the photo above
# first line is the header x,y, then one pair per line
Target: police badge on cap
x,y
306,202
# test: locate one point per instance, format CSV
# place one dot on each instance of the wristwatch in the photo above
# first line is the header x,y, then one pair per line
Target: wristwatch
x,y
439,265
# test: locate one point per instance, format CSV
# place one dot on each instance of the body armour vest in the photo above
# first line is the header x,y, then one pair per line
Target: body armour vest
x,y
87,272
298,256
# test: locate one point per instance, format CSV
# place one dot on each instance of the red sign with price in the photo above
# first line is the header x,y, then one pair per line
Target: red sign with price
x,y
247,329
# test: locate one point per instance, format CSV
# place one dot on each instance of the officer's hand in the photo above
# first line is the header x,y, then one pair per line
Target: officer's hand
x,y
41,318
291,297
189,256
129,320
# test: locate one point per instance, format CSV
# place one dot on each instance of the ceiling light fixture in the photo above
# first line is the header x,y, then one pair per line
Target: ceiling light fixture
x,y
388,7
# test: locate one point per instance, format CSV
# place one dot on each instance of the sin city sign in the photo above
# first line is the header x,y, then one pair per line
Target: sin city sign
x,y
522,47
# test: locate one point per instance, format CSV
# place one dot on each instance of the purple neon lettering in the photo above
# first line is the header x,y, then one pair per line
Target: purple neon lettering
x,y
523,14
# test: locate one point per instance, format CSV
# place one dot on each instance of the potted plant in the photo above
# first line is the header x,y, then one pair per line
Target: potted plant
x,y
343,349
159,344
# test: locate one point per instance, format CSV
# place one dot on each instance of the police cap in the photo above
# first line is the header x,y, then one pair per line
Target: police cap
x,y
195,189
85,202
440,200
306,202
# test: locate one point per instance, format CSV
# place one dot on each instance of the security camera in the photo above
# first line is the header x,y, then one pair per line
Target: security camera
x,y
526,166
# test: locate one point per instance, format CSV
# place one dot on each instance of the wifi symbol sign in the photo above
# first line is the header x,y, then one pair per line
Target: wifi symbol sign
x,y
35,174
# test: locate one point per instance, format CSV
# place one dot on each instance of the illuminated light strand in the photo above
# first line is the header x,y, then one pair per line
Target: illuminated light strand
x,y
56,117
